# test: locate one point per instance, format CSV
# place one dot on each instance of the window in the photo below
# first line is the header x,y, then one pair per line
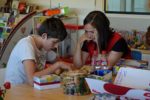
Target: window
x,y
127,6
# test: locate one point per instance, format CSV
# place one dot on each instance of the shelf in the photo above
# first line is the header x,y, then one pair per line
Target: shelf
x,y
142,51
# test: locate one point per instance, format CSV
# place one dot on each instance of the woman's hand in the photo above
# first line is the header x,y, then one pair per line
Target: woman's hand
x,y
80,56
83,38
87,37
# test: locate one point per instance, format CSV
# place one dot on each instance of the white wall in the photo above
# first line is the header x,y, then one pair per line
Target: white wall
x,y
129,22
83,7
80,7
43,4
2,2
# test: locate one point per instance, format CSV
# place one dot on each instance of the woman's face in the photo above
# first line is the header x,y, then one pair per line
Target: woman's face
x,y
90,31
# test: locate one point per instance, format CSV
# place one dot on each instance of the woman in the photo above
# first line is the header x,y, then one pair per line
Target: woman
x,y
99,36
28,57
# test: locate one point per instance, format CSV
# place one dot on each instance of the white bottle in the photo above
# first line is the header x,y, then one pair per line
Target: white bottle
x,y
104,62
94,60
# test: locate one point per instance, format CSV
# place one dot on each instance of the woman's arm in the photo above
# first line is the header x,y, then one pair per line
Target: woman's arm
x,y
77,60
113,58
80,56
118,50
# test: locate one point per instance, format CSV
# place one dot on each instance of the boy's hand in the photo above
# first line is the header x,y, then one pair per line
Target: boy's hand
x,y
64,65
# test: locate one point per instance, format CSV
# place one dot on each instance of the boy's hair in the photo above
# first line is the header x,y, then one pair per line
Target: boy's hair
x,y
54,28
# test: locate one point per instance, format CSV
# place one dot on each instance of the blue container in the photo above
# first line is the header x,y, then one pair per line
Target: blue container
x,y
102,72
136,55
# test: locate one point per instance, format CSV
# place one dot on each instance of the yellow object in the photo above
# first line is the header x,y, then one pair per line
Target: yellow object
x,y
49,79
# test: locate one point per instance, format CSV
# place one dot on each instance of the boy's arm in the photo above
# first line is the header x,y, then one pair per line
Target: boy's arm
x,y
30,69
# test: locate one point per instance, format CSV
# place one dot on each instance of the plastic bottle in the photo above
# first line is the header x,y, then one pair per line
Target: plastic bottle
x,y
104,62
94,62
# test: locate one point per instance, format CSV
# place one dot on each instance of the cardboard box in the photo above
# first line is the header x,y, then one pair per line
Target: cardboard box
x,y
130,82
47,82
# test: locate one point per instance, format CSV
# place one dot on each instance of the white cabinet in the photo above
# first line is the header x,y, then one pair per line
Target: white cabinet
x,y
146,57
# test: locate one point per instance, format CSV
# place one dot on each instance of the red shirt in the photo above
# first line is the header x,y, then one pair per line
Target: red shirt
x,y
91,46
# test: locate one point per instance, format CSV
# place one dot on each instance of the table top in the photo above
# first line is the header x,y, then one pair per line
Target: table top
x,y
26,92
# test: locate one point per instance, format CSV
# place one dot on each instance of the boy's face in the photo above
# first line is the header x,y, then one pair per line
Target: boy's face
x,y
50,44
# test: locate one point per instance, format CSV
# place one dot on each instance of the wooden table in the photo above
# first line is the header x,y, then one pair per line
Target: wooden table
x,y
25,92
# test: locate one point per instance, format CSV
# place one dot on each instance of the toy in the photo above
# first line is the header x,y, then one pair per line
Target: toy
x,y
73,83
134,38
58,11
47,82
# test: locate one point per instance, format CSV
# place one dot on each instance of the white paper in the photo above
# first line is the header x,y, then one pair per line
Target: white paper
x,y
98,86
133,78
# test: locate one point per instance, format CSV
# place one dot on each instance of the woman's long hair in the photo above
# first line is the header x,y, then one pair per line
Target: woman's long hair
x,y
99,20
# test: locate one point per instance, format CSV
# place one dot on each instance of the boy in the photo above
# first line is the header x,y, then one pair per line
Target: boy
x,y
28,57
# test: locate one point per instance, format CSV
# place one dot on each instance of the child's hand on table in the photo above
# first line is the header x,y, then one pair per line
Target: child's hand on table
x,y
64,65
60,65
